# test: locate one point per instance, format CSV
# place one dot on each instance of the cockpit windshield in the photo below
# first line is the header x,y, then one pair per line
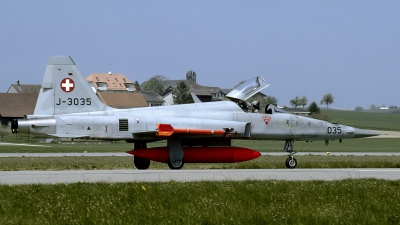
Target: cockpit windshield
x,y
247,89
271,109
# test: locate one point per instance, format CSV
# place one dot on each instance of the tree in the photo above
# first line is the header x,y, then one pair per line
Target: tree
x,y
373,107
313,108
154,84
137,86
299,101
327,100
271,100
295,102
303,101
359,109
315,112
181,94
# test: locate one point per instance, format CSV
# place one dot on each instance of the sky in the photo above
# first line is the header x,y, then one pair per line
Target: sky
x,y
350,49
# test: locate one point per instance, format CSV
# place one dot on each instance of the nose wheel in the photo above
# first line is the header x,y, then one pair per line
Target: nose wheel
x,y
291,162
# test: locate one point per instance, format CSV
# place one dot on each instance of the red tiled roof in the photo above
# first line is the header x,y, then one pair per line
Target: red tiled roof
x,y
122,100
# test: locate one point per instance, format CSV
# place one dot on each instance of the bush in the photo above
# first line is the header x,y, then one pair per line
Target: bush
x,y
359,109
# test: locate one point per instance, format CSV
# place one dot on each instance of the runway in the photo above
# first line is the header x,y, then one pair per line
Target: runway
x,y
76,176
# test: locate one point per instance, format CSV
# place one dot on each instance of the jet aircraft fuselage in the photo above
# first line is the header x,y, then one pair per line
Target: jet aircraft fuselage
x,y
67,107
141,123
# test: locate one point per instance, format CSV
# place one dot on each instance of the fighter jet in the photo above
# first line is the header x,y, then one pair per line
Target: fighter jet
x,y
67,107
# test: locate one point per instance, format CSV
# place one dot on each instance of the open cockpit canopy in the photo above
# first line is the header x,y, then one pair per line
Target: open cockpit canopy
x,y
245,90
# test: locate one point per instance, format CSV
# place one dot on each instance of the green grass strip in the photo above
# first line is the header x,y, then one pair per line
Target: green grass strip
x,y
263,162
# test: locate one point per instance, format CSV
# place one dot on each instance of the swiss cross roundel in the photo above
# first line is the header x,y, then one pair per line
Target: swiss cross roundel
x,y
67,85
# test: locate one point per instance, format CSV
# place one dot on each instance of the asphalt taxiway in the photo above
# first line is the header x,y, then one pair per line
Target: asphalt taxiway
x,y
123,154
111,176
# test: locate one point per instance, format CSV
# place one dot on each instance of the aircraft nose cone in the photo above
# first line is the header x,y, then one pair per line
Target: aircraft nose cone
x,y
359,133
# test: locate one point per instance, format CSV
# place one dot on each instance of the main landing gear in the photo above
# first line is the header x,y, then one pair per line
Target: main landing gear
x,y
291,162
175,164
140,163
175,160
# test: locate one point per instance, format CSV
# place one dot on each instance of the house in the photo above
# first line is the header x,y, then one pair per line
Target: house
x,y
16,105
117,91
24,88
19,101
383,107
152,98
122,100
220,94
110,82
204,93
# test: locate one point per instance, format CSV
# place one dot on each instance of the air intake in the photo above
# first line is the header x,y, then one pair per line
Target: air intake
x,y
123,125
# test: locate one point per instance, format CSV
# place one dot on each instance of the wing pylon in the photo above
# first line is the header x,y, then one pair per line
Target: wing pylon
x,y
167,130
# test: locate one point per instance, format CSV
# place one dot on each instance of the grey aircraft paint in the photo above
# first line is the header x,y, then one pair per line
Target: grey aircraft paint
x,y
67,107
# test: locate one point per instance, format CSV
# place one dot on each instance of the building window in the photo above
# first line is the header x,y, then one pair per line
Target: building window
x,y
116,79
97,78
124,79
107,79
100,84
115,85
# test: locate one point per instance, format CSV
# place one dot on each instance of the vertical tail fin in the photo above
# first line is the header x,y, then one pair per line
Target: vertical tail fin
x,y
65,90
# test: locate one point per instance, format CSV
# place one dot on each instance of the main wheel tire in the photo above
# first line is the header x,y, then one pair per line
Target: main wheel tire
x,y
141,163
176,165
291,163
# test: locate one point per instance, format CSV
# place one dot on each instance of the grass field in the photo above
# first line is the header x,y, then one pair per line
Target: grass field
x,y
366,120
247,202
351,145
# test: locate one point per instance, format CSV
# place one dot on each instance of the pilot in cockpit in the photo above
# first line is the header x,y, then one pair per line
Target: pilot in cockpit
x,y
255,107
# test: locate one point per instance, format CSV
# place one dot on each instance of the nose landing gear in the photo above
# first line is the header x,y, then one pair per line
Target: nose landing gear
x,y
291,162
